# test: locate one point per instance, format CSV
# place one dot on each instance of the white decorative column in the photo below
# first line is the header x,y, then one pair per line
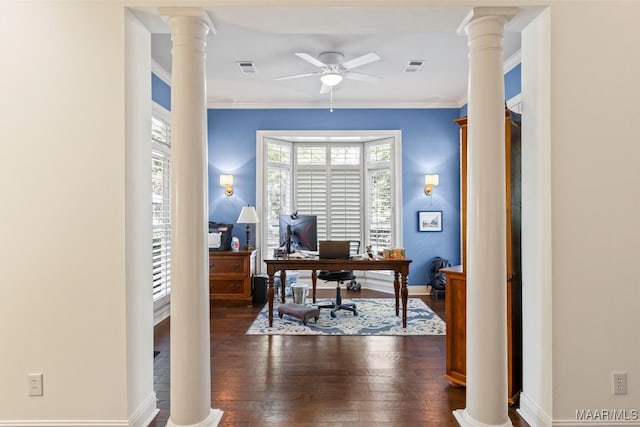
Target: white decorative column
x,y
486,377
190,340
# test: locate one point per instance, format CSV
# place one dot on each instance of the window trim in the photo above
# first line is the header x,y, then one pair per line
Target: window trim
x,y
262,137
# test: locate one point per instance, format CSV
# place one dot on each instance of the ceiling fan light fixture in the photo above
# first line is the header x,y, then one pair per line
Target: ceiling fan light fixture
x,y
331,79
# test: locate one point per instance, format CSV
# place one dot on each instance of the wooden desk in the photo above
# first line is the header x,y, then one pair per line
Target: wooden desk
x,y
400,267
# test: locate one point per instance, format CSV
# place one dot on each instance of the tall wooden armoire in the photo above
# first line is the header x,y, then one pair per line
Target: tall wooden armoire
x,y
456,291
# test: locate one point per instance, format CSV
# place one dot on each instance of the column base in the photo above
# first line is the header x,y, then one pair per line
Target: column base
x,y
465,420
214,418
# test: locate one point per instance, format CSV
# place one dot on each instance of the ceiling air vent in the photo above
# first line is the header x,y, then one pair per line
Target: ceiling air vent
x,y
414,65
247,67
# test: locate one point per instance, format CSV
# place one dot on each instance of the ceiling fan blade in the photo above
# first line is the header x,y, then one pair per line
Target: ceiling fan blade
x,y
362,77
361,60
310,59
295,76
325,88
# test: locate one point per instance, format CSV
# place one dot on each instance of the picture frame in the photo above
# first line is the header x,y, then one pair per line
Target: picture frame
x,y
429,220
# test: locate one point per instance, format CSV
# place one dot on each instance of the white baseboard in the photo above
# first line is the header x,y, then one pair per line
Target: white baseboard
x,y
64,423
419,290
145,413
142,417
532,414
594,423
161,313
536,417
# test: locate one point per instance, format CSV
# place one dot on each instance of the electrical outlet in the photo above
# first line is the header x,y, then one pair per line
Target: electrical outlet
x,y
619,383
35,384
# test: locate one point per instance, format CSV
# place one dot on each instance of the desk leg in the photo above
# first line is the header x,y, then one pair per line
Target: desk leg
x,y
396,290
405,297
283,284
314,278
270,294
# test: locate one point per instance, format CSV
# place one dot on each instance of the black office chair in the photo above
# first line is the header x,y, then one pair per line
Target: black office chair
x,y
340,277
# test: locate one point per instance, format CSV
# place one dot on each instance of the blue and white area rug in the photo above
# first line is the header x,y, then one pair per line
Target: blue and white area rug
x,y
376,316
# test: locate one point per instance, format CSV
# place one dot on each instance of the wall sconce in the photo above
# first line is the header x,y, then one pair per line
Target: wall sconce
x,y
429,182
226,181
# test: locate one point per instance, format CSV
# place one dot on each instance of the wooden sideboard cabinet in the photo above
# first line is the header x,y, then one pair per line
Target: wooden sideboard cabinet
x,y
230,274
456,285
455,318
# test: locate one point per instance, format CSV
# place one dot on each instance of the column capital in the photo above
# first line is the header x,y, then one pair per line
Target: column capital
x,y
484,12
189,12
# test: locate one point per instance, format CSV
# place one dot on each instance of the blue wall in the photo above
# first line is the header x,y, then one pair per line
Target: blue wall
x,y
513,82
430,144
160,92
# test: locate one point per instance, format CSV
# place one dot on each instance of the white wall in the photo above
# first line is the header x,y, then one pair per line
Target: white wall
x,y
589,285
536,399
141,402
594,123
63,257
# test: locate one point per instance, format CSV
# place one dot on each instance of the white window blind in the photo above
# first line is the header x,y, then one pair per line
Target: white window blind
x,y
278,186
345,204
311,196
161,209
379,210
348,186
379,206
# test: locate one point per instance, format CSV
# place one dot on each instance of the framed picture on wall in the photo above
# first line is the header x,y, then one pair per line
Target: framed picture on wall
x,y
429,220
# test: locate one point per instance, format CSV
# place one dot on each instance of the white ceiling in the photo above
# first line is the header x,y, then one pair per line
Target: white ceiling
x,y
269,37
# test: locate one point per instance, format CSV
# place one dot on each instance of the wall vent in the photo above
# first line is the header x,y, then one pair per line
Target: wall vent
x,y
414,65
246,67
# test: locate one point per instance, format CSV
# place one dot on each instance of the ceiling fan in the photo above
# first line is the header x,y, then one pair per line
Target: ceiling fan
x,y
333,69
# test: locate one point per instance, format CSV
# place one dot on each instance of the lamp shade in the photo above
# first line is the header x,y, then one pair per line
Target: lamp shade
x,y
431,179
226,180
248,215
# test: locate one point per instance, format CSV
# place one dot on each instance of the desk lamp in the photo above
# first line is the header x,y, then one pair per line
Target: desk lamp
x,y
248,215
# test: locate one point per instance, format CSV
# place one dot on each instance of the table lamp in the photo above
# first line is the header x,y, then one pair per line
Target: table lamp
x,y
248,215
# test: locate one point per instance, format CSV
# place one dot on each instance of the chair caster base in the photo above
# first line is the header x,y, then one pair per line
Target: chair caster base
x,y
347,307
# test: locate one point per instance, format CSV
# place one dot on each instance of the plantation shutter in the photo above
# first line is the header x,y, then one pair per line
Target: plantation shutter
x,y
278,187
161,210
345,204
311,192
379,230
380,200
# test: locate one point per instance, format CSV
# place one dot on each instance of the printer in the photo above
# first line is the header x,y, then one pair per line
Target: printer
x,y
219,236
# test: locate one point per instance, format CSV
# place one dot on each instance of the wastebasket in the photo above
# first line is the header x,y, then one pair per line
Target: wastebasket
x,y
260,288
292,277
299,292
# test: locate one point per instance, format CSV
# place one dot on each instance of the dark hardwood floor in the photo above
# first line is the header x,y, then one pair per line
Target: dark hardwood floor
x,y
320,380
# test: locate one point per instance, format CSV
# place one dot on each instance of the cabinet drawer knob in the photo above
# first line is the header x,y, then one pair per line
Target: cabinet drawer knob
x,y
235,266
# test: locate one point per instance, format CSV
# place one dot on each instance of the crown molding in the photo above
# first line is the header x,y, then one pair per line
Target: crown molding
x,y
159,71
513,61
213,104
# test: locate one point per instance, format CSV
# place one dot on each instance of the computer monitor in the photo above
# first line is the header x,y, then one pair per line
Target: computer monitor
x,y
298,232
